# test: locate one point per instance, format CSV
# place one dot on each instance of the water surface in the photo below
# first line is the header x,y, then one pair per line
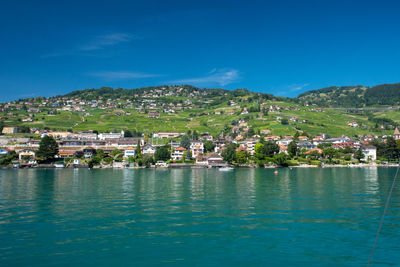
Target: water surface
x,y
200,217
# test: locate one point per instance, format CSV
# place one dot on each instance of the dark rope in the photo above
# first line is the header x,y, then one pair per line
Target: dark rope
x,y
383,215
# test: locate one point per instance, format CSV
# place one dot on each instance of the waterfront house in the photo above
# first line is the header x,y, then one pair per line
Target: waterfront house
x,y
178,153
129,152
369,152
89,152
148,150
214,160
196,147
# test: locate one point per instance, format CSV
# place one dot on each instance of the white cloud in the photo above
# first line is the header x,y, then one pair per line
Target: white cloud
x,y
292,89
97,43
104,41
121,75
221,77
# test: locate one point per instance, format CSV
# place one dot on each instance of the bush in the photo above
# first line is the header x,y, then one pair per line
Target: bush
x,y
315,162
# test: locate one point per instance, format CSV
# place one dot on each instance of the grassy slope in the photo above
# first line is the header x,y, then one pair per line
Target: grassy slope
x,y
331,121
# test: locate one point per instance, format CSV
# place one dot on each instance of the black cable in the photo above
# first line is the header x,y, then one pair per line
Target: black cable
x,y
383,215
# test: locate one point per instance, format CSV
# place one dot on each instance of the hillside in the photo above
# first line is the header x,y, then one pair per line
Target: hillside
x,y
183,108
352,96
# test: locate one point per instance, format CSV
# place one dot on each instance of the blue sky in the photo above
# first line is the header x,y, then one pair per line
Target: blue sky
x,y
280,47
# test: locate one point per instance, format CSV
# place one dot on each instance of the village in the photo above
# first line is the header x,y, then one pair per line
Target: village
x,y
191,149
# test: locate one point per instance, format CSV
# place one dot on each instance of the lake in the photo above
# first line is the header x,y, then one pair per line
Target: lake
x,y
198,217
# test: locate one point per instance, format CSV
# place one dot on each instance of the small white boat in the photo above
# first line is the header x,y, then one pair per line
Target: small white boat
x,y
59,165
225,168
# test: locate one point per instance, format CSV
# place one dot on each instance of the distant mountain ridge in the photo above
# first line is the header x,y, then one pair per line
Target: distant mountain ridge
x,y
352,96
334,96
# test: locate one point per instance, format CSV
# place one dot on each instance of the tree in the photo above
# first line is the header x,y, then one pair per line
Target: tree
x,y
128,133
391,151
313,155
147,160
116,152
185,141
284,121
242,156
281,159
229,154
251,132
293,149
209,146
7,159
270,149
259,151
138,150
162,153
359,154
329,153
48,149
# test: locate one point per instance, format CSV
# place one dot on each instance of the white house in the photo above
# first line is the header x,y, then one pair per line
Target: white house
x,y
369,152
129,152
104,136
178,153
148,150
196,147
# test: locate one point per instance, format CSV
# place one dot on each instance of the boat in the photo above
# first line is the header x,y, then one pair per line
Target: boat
x,y
59,165
225,168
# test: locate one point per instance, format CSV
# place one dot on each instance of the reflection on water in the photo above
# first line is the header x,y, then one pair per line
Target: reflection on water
x,y
203,217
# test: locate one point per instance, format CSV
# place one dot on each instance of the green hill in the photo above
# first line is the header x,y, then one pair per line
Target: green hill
x,y
353,96
185,107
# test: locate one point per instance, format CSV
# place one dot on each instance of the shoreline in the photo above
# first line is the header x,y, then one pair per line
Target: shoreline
x,y
49,166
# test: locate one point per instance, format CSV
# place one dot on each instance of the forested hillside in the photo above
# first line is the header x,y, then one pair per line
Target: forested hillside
x,y
352,96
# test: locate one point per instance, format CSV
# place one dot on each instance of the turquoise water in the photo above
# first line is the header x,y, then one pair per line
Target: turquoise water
x,y
299,217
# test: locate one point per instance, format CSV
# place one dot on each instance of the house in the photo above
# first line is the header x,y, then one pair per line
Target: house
x,y
285,141
283,148
369,152
89,152
318,150
10,130
272,138
307,145
148,150
26,155
303,138
59,134
215,160
129,152
86,135
3,152
168,134
66,153
104,136
250,144
178,153
207,136
153,114
196,147
265,131
352,123
396,134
